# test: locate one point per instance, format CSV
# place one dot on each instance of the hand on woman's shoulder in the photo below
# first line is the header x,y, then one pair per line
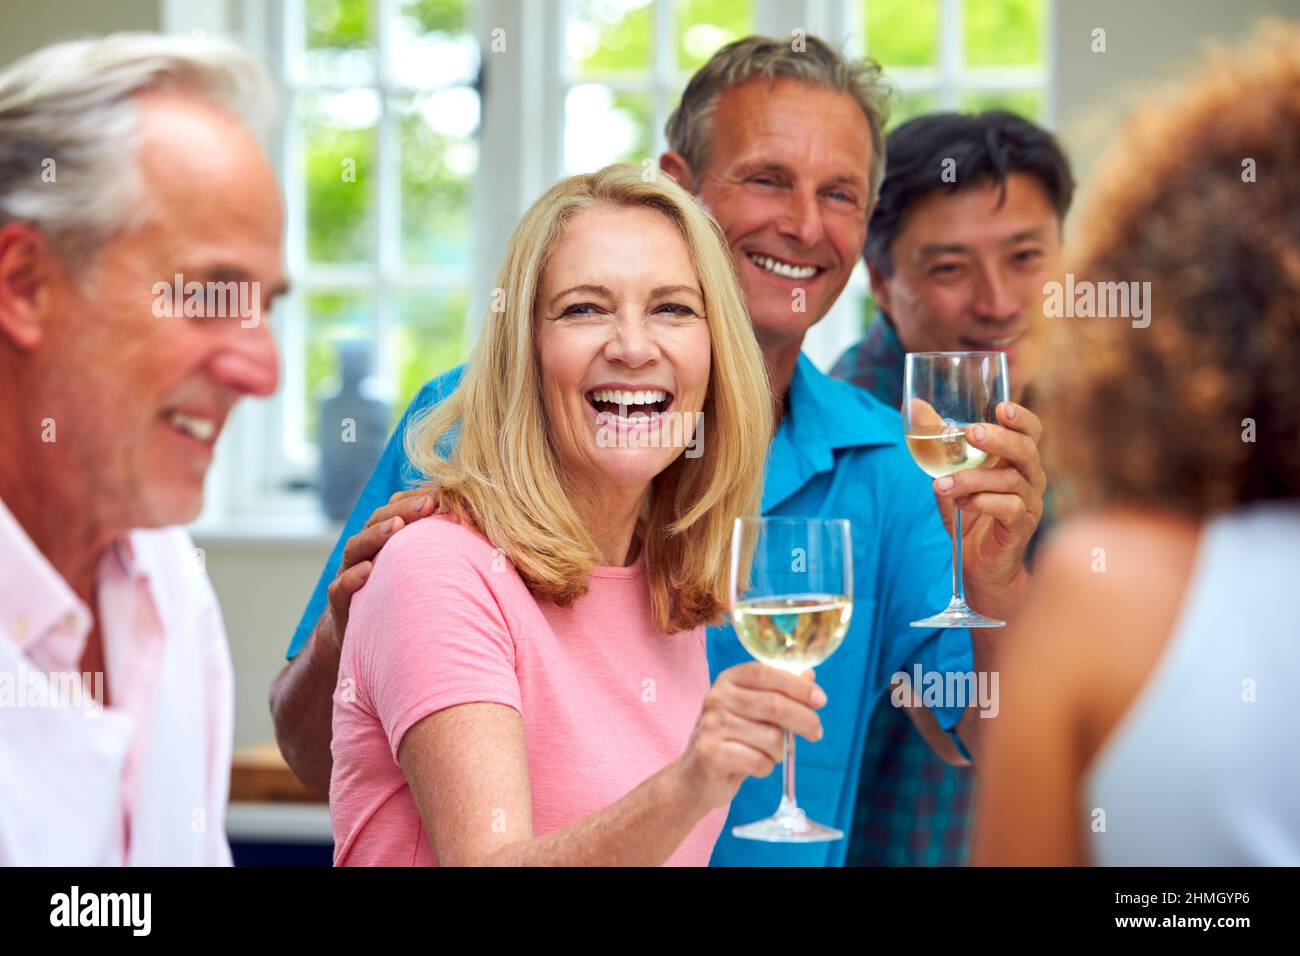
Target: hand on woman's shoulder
x,y
439,539
424,568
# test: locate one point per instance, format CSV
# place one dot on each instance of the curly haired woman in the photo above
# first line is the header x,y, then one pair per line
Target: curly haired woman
x,y
1149,705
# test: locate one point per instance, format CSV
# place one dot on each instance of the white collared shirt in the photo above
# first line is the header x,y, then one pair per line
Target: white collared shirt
x,y
143,782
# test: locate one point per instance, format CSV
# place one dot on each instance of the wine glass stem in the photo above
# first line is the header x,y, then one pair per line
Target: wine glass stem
x,y
958,585
788,804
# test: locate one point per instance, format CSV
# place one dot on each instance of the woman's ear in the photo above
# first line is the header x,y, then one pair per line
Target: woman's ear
x,y
25,276
675,165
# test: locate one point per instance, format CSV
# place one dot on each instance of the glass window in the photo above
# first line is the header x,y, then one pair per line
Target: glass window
x,y
903,32
382,157
628,62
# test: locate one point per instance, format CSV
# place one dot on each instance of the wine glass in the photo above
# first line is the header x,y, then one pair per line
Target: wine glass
x,y
944,393
791,598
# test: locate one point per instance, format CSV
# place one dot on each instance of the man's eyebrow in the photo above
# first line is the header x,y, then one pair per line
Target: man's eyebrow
x,y
236,274
750,167
942,249
846,179
772,166
592,289
1037,232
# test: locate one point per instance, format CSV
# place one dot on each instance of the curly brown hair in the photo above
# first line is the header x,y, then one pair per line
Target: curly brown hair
x,y
1200,196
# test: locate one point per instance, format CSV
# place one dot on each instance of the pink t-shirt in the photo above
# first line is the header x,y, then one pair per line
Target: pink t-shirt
x,y
607,699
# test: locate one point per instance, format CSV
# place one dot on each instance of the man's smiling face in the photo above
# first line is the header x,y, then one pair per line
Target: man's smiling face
x,y
786,178
968,271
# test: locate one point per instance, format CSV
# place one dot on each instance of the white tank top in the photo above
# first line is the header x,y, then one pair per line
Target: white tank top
x,y
1204,768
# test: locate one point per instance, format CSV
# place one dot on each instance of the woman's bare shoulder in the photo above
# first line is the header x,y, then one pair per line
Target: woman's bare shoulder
x,y
1110,586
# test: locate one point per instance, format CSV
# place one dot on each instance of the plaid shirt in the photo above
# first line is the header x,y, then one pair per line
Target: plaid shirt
x,y
912,808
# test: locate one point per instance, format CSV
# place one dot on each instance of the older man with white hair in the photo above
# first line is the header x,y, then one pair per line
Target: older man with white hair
x,y
125,162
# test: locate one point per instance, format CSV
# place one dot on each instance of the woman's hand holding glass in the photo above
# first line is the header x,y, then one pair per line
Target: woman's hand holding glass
x,y
791,600
742,726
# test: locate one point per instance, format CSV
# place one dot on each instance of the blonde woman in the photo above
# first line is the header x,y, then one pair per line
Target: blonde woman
x,y
524,678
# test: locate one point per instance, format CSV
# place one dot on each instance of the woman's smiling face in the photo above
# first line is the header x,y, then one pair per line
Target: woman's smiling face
x,y
623,346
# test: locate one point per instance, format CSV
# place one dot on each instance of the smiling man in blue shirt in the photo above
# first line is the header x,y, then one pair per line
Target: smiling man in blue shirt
x,y
784,146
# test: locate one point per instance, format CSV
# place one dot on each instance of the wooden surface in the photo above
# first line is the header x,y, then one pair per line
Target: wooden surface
x,y
260,774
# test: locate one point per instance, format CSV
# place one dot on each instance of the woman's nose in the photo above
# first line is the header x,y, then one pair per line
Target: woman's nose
x,y
631,343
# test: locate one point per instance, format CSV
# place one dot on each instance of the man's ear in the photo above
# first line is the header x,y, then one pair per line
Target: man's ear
x,y
25,276
879,288
675,165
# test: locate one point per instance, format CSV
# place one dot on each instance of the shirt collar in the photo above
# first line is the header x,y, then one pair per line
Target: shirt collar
x,y
39,607
883,352
37,602
827,414
822,415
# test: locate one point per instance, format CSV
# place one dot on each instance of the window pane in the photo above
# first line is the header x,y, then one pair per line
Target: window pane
x,y
610,36
1004,32
909,105
338,136
705,25
602,127
429,338
332,318
903,32
1026,103
439,161
340,41
432,44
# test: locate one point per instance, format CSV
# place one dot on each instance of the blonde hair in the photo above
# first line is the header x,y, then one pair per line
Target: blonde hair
x,y
487,452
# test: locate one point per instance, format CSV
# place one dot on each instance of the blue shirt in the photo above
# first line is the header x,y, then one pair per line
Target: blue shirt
x,y
838,453
913,809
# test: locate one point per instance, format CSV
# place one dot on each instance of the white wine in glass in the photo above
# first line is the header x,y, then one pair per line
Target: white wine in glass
x,y
791,601
944,450
795,632
944,393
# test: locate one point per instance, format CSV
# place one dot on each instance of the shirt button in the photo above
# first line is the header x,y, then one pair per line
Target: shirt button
x,y
70,621
20,626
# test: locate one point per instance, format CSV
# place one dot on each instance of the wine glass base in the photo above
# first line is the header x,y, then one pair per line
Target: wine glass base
x,y
787,828
959,614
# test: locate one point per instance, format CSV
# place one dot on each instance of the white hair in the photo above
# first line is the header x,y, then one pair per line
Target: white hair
x,y
68,122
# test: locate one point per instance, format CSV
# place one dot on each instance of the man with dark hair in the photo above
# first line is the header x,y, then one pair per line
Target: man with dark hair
x,y
966,231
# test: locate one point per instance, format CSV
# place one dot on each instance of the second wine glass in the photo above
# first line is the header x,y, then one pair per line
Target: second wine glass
x,y
944,394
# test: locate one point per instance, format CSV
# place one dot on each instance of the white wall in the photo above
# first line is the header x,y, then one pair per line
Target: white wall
x,y
1146,41
263,585
27,25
